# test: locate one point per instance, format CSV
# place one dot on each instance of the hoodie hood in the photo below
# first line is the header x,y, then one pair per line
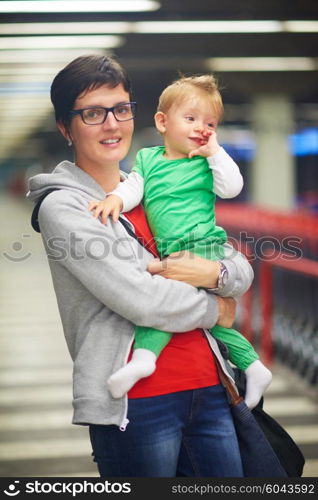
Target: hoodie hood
x,y
65,176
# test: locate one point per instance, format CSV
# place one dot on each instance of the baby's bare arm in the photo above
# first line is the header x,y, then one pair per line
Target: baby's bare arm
x,y
112,205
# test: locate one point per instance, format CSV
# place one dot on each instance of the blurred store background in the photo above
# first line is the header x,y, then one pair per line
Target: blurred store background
x,y
265,55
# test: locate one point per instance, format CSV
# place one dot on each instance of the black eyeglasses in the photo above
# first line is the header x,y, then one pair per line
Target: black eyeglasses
x,y
96,115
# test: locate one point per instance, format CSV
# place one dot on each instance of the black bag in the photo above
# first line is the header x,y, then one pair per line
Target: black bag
x,y
287,451
267,450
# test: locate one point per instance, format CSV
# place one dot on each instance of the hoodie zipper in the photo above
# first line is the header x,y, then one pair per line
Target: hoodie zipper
x,y
125,420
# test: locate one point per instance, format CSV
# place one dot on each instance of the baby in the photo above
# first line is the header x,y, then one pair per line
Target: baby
x,y
178,183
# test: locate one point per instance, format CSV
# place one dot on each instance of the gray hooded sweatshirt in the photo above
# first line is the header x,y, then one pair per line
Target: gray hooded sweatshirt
x,y
103,289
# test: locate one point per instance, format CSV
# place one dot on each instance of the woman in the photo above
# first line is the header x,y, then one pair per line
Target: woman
x,y
177,421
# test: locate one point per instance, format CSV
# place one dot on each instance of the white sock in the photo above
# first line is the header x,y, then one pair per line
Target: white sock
x,y
142,364
258,378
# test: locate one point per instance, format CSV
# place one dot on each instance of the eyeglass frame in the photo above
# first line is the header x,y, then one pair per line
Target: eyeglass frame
x,y
76,112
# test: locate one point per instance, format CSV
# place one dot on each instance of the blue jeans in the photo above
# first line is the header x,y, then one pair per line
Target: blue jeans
x,y
187,433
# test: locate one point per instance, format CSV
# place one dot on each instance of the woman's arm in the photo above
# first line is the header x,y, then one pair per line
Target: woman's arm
x,y
187,267
196,271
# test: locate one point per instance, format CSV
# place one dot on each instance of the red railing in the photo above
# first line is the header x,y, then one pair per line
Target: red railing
x,y
241,220
279,260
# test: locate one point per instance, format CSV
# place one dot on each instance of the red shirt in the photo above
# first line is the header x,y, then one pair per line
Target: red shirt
x,y
187,361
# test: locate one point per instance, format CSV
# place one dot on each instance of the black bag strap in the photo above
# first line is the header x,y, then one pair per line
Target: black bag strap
x,y
35,214
131,233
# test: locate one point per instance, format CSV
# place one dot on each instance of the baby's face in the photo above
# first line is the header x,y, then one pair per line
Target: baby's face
x,y
187,123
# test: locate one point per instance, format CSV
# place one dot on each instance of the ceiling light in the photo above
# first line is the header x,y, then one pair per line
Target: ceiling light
x,y
29,78
261,64
28,88
20,71
149,27
60,42
207,26
78,6
300,26
31,110
72,28
45,56
22,102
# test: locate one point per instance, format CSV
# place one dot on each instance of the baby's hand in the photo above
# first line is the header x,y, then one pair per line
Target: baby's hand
x,y
210,145
113,204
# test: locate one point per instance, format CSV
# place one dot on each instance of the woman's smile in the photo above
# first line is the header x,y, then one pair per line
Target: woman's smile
x,y
110,142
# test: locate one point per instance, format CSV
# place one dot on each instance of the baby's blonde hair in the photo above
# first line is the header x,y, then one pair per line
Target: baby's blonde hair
x,y
179,90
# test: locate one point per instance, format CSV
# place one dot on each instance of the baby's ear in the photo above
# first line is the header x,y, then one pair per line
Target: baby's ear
x,y
160,121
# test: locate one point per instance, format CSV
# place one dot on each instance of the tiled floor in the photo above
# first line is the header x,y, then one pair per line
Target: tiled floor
x,y
36,435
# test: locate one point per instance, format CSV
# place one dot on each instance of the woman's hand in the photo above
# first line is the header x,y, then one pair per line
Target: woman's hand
x,y
227,310
187,267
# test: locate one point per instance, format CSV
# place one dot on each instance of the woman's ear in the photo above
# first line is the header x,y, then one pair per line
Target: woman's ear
x,y
160,121
65,132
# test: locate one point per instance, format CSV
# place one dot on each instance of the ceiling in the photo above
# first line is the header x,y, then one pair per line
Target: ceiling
x,y
31,54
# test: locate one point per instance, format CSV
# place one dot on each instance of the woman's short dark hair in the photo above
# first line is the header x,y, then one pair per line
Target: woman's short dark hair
x,y
82,74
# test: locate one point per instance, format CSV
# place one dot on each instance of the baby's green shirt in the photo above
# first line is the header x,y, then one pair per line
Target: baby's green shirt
x,y
180,203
